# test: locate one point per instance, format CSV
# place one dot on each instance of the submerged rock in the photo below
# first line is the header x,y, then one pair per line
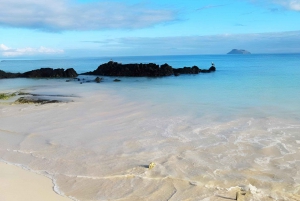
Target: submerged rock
x,y
5,96
26,100
98,79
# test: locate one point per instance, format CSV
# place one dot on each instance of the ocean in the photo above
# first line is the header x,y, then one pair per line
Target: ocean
x,y
267,82
238,127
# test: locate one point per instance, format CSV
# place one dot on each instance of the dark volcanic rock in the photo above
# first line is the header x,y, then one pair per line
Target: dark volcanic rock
x,y
8,75
166,70
186,70
212,69
50,73
132,70
42,73
98,79
144,70
70,72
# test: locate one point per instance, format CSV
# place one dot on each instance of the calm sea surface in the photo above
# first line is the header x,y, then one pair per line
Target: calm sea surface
x,y
207,133
257,83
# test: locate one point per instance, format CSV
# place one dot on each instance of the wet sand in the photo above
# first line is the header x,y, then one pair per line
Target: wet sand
x,y
17,184
98,148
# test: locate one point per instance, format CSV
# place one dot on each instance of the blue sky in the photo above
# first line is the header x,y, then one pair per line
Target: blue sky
x,y
79,28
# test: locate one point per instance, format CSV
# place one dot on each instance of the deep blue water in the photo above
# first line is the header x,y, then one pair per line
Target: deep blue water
x,y
255,84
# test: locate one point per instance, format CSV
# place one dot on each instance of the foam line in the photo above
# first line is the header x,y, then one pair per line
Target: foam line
x,y
48,175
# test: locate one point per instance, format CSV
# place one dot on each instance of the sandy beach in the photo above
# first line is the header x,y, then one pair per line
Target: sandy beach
x,y
144,100
99,145
17,184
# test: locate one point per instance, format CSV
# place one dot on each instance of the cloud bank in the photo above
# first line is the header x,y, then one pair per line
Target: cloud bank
x,y
282,42
10,52
60,15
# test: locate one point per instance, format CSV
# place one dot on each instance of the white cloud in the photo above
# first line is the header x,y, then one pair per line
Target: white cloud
x,y
59,15
10,52
288,4
3,47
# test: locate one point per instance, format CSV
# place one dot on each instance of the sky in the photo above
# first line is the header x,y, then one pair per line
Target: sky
x,y
95,28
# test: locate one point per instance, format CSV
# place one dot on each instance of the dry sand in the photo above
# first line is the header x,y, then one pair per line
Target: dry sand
x,y
17,184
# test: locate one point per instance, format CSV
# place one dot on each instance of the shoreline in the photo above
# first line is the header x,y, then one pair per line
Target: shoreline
x,y
19,184
103,141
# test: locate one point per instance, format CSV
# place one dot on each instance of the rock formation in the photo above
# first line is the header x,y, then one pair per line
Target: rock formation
x,y
50,73
236,51
132,70
98,79
42,73
8,75
144,70
112,69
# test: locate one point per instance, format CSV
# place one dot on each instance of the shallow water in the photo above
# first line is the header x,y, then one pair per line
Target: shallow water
x,y
209,134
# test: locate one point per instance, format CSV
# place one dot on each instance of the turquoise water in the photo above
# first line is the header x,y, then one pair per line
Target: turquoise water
x,y
259,84
238,126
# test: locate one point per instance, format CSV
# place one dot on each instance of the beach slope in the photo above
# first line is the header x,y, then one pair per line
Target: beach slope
x,y
20,185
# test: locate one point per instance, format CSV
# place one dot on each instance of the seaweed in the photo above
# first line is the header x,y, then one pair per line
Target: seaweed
x,y
24,100
5,96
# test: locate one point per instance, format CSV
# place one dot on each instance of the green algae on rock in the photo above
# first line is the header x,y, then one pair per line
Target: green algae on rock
x,y
5,96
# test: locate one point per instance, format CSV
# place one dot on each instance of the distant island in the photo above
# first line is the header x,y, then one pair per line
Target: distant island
x,y
236,51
